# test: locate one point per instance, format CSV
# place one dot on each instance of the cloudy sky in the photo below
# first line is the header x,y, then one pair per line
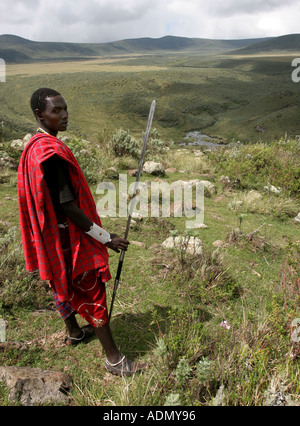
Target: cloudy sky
x,y
111,20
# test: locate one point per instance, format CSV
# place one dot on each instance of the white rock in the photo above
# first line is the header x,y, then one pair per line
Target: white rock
x,y
27,138
297,218
154,168
17,143
191,245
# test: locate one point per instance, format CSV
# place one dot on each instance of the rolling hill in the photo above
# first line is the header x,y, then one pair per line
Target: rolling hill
x,y
286,43
14,49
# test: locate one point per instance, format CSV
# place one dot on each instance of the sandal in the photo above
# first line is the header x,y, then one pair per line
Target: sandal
x,y
124,367
88,331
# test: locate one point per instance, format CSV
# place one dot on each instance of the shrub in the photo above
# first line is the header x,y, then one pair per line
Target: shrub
x,y
122,143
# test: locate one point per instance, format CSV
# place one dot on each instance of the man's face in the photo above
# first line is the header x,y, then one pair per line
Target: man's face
x,y
55,117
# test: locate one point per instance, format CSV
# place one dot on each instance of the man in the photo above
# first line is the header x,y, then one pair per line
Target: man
x,y
61,230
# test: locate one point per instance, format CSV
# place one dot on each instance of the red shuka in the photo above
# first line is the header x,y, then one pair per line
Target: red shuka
x,y
39,230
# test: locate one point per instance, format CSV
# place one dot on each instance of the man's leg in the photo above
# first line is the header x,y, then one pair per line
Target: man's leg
x,y
73,327
68,314
113,355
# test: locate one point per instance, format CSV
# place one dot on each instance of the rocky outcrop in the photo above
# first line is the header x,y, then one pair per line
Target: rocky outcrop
x,y
32,386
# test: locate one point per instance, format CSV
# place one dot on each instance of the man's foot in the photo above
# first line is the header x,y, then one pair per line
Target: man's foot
x,y
87,332
125,367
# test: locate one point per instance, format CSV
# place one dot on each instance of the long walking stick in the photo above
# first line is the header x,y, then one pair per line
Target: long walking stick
x,y
150,119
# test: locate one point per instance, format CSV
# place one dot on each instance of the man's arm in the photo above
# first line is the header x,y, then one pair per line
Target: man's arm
x,y
83,222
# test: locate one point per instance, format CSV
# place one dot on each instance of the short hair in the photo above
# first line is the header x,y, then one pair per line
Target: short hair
x,y
38,99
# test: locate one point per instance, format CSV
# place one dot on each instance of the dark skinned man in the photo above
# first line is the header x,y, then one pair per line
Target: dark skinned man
x,y
62,233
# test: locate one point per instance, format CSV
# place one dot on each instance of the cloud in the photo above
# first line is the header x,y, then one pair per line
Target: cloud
x,y
110,20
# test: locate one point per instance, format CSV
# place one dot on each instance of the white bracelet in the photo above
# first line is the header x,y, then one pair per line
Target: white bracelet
x,y
99,234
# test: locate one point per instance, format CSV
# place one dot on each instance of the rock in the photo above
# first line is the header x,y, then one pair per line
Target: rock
x,y
209,186
138,244
137,216
200,226
18,144
27,138
171,170
297,218
154,168
218,243
133,224
33,386
20,346
132,172
191,245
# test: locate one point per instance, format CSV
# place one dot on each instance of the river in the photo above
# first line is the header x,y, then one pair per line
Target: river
x,y
197,138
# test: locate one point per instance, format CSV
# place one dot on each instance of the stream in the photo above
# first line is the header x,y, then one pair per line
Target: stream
x,y
197,138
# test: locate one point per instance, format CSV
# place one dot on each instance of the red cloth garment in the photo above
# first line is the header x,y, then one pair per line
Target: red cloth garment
x,y
39,230
87,291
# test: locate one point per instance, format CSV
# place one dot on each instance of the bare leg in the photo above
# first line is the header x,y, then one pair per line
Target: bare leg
x,y
113,355
73,327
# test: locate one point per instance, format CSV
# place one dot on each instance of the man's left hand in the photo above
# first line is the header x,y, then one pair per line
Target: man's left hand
x,y
117,243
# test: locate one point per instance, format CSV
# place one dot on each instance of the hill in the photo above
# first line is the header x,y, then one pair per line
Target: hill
x,y
14,49
286,43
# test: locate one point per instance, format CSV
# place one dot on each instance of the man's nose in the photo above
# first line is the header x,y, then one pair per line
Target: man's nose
x,y
65,114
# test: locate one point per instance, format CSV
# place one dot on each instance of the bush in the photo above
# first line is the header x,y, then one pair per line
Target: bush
x,y
123,143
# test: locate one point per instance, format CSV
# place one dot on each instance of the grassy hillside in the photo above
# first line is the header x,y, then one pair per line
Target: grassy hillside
x,y
284,43
234,97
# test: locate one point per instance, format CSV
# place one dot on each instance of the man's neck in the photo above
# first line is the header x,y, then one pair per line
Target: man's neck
x,y
41,129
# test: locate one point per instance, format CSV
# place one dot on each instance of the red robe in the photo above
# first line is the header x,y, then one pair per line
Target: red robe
x,y
39,230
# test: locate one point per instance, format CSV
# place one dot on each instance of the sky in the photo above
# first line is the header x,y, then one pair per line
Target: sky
x,y
100,21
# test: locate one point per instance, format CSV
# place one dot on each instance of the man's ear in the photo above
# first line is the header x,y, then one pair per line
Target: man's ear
x,y
38,115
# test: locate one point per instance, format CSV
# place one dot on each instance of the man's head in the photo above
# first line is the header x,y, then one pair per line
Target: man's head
x,y
50,110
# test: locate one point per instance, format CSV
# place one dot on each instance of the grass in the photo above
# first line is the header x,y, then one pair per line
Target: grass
x,y
170,306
